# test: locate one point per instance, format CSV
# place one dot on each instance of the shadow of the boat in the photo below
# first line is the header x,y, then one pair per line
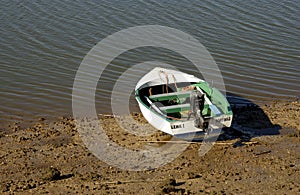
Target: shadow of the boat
x,y
249,120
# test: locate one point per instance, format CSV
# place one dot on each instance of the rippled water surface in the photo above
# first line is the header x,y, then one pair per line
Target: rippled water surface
x,y
255,44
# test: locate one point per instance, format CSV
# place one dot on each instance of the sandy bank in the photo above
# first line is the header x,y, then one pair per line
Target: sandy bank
x,y
261,154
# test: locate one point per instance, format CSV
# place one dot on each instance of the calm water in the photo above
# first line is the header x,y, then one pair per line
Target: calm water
x,y
42,43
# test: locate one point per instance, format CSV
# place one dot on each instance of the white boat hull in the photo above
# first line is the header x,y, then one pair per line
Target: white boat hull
x,y
163,123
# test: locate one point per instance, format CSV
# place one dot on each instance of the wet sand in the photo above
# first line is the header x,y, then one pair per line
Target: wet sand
x,y
259,154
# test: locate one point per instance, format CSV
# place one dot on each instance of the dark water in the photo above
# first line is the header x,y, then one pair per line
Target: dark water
x,y
42,43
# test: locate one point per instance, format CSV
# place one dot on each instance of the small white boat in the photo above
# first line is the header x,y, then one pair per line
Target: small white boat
x,y
178,103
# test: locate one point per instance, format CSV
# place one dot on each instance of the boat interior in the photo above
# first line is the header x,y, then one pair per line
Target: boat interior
x,y
180,101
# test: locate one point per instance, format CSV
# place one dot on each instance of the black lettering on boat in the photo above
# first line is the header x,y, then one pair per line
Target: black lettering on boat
x,y
220,120
227,119
177,126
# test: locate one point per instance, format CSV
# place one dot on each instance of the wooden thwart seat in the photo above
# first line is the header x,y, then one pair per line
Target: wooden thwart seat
x,y
182,107
170,96
175,108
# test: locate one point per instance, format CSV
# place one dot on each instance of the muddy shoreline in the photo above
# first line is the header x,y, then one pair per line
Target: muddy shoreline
x,y
259,154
